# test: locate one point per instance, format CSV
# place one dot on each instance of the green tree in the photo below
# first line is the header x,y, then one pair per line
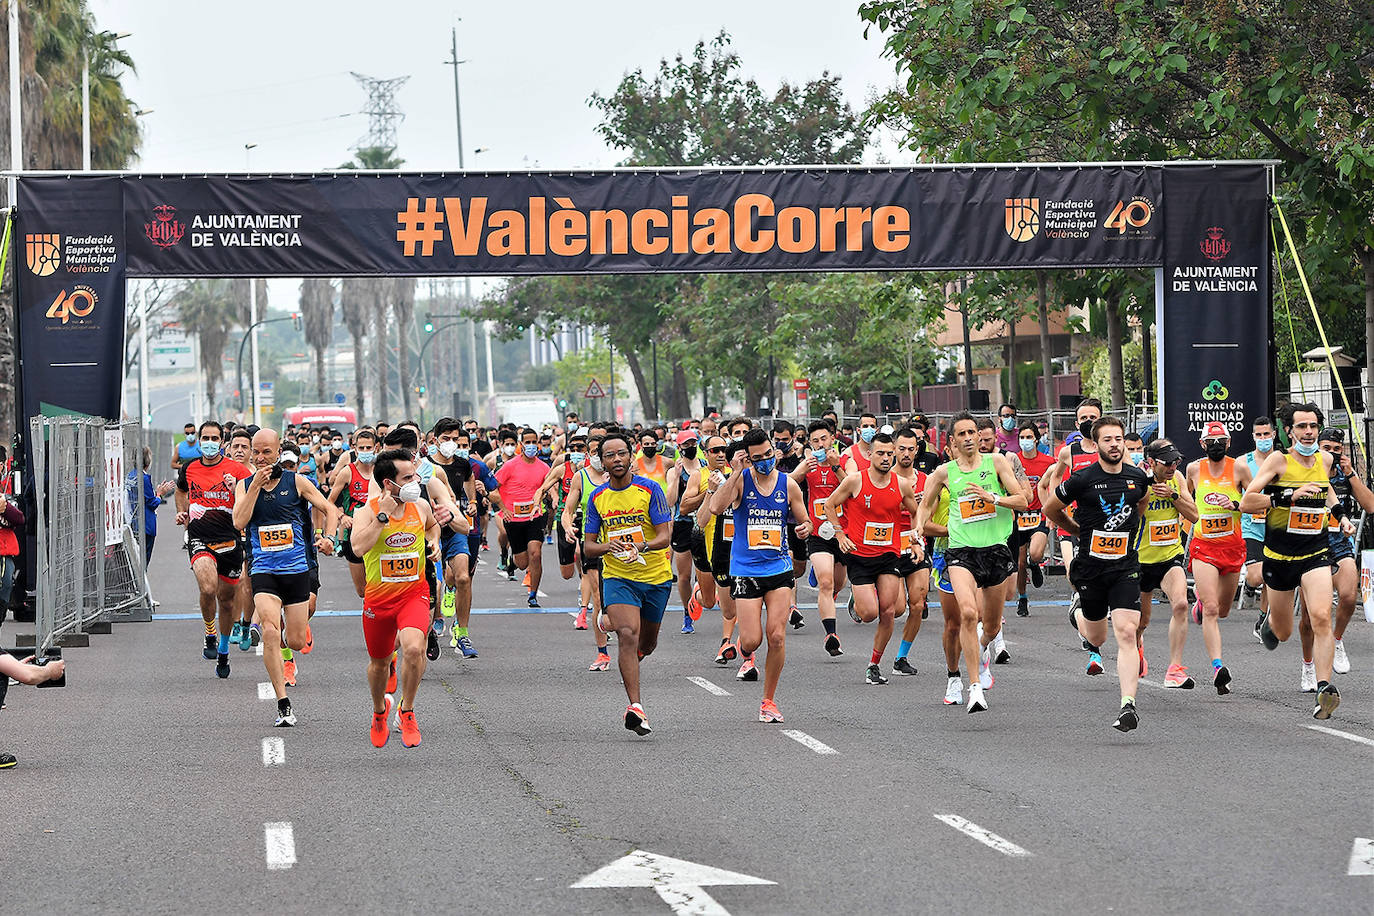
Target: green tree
x,y
317,315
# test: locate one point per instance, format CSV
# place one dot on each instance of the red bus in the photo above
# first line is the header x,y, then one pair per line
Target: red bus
x,y
343,419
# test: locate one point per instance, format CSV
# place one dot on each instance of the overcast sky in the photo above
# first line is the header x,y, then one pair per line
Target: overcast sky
x,y
218,76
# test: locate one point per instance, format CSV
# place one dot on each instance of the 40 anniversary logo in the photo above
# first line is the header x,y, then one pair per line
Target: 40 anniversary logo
x,y
78,304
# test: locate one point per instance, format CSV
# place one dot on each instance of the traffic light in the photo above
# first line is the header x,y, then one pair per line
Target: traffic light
x,y
429,327
562,403
420,389
296,320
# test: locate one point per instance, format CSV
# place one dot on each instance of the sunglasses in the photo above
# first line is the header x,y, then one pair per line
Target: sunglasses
x,y
718,450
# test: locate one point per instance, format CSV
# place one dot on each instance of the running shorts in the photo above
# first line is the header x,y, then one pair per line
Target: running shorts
x,y
520,535
1340,547
990,566
1108,591
816,544
381,624
1286,575
567,550
1021,538
1254,550
750,587
699,558
681,539
941,570
866,570
907,565
1226,554
1152,574
796,545
453,544
289,588
314,580
346,551
652,600
227,554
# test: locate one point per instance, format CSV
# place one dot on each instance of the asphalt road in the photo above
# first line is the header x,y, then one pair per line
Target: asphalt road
x,y
142,786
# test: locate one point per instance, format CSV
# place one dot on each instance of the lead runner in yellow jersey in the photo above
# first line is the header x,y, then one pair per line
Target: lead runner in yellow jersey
x,y
1294,489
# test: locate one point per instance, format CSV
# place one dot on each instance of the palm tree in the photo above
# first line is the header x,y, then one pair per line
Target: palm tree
x,y
381,346
207,309
355,300
317,313
403,306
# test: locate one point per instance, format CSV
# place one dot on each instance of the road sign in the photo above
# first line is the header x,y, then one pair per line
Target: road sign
x,y
594,390
801,384
171,349
678,882
339,398
266,394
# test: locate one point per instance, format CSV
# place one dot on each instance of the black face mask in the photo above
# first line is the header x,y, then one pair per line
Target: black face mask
x,y
689,451
650,451
1086,428
1216,450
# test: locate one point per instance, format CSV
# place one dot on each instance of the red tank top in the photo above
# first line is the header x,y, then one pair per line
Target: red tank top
x,y
873,518
820,483
357,486
1078,460
860,459
908,532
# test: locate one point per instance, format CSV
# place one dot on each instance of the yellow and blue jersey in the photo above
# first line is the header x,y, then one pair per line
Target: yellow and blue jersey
x,y
631,515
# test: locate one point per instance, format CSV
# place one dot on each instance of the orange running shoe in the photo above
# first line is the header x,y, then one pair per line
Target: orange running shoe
x,y
694,607
526,580
581,622
602,663
391,678
379,732
309,641
1178,677
769,712
410,732
1144,665
289,669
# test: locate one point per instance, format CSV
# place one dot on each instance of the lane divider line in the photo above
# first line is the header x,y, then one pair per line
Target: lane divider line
x,y
1361,857
281,845
982,835
709,687
805,740
273,752
1340,734
265,691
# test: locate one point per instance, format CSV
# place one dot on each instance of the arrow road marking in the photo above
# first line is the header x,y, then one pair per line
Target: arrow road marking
x,y
265,691
677,882
709,687
281,846
1362,857
1340,734
806,740
273,752
986,837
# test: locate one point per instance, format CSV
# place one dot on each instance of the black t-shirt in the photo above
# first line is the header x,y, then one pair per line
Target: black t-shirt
x,y
927,458
1107,510
482,448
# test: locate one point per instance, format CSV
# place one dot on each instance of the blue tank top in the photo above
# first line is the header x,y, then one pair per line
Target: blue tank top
x,y
1252,526
277,531
759,547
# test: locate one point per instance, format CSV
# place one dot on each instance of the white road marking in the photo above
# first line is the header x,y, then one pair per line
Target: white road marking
x,y
265,691
273,752
1361,857
281,845
258,649
677,882
690,901
806,740
1340,734
982,835
708,686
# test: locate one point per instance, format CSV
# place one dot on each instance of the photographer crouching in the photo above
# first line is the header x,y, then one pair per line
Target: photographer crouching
x,y
49,672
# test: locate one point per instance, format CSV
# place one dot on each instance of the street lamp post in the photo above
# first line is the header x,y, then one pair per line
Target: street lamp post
x,y
238,365
420,360
86,98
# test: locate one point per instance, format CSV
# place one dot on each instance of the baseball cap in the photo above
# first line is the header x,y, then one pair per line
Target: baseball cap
x,y
288,456
577,432
1215,430
1332,434
1164,451
687,435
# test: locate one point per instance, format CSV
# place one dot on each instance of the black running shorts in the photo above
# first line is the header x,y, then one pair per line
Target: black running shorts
x,y
1109,591
990,566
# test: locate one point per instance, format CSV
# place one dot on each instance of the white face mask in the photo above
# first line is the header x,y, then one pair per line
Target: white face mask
x,y
508,451
410,492
448,448
1027,445
596,462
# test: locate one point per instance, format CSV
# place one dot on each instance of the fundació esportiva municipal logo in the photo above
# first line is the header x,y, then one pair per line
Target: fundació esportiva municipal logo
x,y
43,253
1022,218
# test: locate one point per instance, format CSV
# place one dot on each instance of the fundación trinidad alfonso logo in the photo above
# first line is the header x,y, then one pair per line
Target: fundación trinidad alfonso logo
x,y
1215,391
1215,247
43,252
1023,218
165,230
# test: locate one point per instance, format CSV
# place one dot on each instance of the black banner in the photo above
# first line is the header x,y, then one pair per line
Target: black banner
x,y
69,266
1215,328
644,221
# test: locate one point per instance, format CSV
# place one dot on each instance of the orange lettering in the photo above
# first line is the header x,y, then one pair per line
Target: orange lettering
x,y
464,233
612,224
831,218
640,224
507,234
854,218
714,232
797,229
538,207
680,226
891,228
567,231
745,238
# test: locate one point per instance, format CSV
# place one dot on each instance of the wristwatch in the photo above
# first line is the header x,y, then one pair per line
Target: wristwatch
x,y
382,517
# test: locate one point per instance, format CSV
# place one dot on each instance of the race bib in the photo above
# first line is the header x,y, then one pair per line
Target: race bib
x,y
400,567
877,534
522,510
1306,521
764,536
818,509
909,540
275,538
727,529
1333,524
223,546
628,534
1259,518
1164,533
1026,521
1106,545
1216,526
976,509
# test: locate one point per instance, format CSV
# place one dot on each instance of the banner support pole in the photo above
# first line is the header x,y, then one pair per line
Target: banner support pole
x,y
1159,346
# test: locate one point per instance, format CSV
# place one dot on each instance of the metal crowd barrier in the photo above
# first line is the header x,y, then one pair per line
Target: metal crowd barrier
x,y
90,558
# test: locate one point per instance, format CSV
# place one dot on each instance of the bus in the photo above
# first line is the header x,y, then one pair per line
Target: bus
x,y
342,419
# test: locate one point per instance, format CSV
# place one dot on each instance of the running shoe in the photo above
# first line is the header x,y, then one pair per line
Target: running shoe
x,y
1308,681
1328,698
875,676
853,614
602,663
687,628
832,645
501,561
748,671
769,712
289,670
1126,719
485,545
904,667
999,648
222,665
811,578
1197,612
1340,663
1177,676
727,653
286,716
1255,630
510,572
453,638
7,761
466,647
379,732
1144,665
533,600
432,644
976,701
1266,634
636,721
954,692
410,732
448,605
580,623
391,675
310,640
211,651
1087,646
526,581
237,632
1094,664
245,636
1221,680
985,680
1022,607
1075,603
694,605
1037,574
436,627
797,620
255,635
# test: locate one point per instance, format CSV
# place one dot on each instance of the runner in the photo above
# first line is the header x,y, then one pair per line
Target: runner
x,y
789,457
915,573
464,474
1109,499
937,529
205,503
397,534
1073,457
353,484
1161,555
857,455
819,474
1216,551
759,562
1032,535
1252,527
521,479
590,604
984,493
240,449
627,526
273,508
648,462
711,545
688,465
873,537
1345,572
187,450
1007,428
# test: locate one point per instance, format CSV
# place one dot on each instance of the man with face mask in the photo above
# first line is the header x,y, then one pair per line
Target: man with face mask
x,y
396,533
556,486
1032,535
355,480
273,508
187,450
1072,458
688,464
1216,551
521,479
784,441
1252,523
1161,555
1135,449
205,503
585,482
819,474
1006,428
857,455
649,463
1295,489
